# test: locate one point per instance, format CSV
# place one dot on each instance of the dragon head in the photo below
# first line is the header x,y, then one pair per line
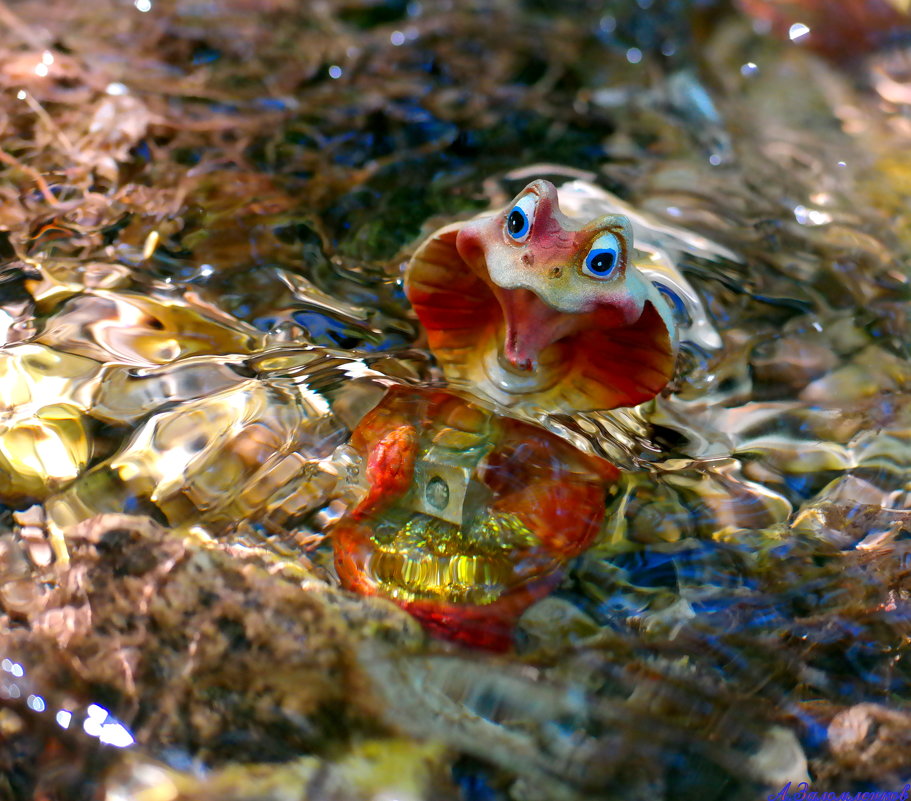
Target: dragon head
x,y
532,306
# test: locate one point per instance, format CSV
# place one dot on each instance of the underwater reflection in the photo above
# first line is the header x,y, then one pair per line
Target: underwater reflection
x,y
468,517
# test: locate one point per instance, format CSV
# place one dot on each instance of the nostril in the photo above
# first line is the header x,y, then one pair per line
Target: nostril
x,y
555,272
528,259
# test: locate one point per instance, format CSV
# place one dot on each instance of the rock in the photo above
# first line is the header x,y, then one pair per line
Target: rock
x,y
780,759
872,742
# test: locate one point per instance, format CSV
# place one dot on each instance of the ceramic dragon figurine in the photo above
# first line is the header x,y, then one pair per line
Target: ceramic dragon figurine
x,y
470,517
535,308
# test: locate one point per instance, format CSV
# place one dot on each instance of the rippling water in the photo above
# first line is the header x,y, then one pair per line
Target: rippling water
x,y
207,209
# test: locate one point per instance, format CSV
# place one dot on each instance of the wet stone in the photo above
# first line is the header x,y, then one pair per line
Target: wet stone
x,y
40,551
871,741
20,597
206,631
33,516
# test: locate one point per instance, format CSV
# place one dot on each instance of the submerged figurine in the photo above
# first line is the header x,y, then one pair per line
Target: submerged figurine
x,y
532,307
468,517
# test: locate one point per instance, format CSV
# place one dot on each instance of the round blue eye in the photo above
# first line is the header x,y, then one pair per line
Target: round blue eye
x,y
601,262
521,217
603,257
517,223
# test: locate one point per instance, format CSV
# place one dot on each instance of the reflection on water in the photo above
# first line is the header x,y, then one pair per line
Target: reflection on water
x,y
468,517
209,211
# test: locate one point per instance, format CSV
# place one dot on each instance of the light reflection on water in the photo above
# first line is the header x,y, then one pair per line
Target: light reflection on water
x,y
752,541
97,722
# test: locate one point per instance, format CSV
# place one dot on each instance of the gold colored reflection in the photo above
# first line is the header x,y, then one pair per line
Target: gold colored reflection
x,y
218,459
141,330
42,452
32,375
209,443
44,394
429,558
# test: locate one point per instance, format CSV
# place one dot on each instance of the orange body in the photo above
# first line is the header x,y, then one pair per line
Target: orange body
x,y
531,502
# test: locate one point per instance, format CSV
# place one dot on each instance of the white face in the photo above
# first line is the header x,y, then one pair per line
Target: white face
x,y
525,303
572,265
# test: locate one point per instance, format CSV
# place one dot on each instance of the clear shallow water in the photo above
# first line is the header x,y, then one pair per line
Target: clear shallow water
x,y
748,595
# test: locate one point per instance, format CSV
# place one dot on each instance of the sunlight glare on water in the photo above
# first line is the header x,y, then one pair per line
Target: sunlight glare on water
x,y
207,213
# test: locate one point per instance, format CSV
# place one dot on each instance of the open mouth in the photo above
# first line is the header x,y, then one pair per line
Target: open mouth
x,y
510,344
552,366
529,327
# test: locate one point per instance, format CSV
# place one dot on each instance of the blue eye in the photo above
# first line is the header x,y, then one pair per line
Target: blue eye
x,y
517,223
601,262
603,257
520,218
